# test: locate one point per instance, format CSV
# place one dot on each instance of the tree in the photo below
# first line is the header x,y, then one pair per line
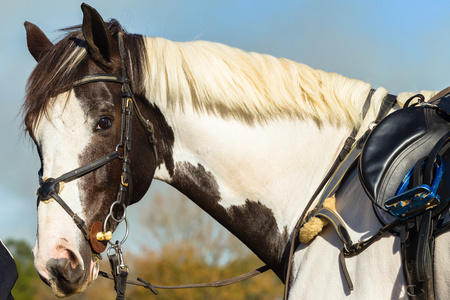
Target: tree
x,y
173,219
183,245
180,264
190,247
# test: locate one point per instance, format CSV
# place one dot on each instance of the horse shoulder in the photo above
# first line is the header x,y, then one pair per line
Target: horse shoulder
x,y
318,273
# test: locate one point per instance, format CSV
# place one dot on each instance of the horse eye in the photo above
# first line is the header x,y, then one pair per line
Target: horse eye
x,y
103,124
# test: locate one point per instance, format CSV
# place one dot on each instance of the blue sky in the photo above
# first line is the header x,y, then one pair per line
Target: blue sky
x,y
400,45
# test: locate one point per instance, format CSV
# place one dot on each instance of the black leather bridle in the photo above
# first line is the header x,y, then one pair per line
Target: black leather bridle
x,y
50,188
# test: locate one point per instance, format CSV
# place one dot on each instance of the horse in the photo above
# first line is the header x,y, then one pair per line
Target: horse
x,y
247,137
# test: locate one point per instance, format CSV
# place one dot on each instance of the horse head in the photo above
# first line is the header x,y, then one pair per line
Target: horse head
x,y
77,124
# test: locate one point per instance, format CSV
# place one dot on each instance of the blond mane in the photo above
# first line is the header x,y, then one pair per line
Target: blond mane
x,y
218,79
210,78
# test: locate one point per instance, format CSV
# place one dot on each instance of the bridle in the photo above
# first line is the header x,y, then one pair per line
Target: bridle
x,y
50,188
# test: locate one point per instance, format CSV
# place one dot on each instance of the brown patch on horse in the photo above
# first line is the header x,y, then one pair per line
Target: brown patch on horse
x,y
100,99
253,223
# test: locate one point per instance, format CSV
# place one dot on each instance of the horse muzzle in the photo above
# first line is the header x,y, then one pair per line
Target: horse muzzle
x,y
65,270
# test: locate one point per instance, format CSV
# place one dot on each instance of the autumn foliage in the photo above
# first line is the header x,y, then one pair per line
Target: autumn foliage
x,y
181,245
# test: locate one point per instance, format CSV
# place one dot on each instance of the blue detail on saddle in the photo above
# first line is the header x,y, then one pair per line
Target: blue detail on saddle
x,y
409,203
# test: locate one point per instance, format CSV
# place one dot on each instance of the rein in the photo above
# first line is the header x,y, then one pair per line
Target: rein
x,y
221,283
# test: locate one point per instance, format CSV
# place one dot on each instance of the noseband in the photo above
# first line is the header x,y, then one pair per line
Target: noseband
x,y
50,188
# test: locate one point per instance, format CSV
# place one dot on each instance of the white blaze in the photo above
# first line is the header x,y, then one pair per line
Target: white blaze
x,y
62,136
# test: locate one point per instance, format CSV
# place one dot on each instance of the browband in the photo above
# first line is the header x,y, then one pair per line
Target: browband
x,y
101,78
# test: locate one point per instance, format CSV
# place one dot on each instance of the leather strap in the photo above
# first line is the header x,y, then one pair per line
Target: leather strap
x,y
119,276
386,106
152,287
81,171
101,78
346,163
440,94
417,249
78,221
335,220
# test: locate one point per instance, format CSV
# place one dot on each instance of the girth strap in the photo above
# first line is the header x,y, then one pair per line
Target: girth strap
x,y
417,241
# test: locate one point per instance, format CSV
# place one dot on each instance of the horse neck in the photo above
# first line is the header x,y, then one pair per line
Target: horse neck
x,y
253,179
253,175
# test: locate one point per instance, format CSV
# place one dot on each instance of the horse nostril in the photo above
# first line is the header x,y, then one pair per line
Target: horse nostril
x,y
70,255
63,268
72,258
66,273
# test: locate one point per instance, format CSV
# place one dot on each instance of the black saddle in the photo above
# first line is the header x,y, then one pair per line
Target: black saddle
x,y
405,169
402,140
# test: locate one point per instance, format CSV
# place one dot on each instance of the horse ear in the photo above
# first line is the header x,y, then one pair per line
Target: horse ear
x,y
37,41
101,45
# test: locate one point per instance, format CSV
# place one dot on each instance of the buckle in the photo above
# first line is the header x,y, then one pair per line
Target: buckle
x,y
348,145
47,186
